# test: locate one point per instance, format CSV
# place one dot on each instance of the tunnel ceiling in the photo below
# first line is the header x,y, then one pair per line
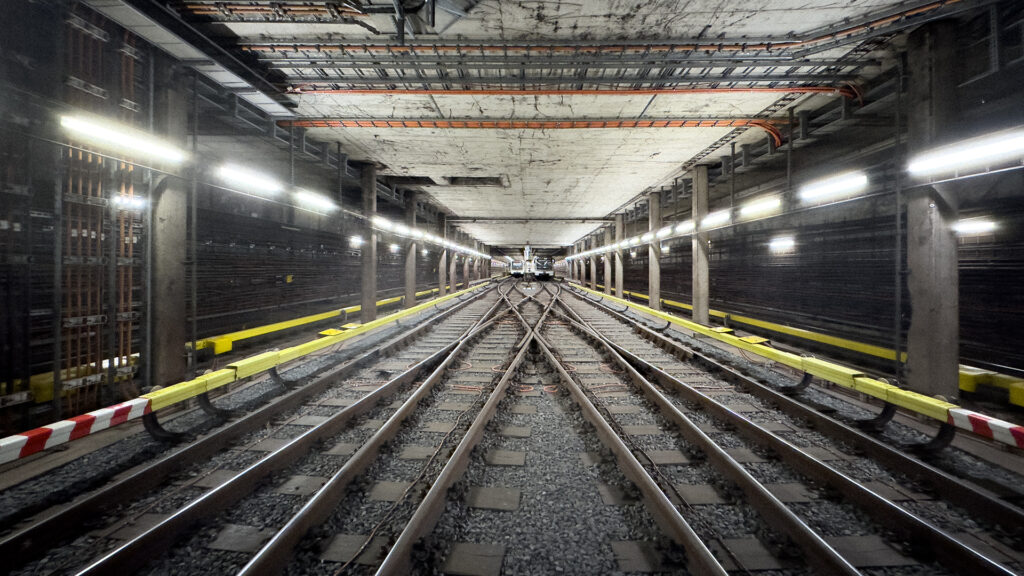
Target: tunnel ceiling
x,y
547,109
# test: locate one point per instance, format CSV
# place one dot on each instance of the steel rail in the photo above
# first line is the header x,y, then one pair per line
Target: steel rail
x,y
398,560
700,560
773,511
274,556
925,537
24,544
133,554
980,501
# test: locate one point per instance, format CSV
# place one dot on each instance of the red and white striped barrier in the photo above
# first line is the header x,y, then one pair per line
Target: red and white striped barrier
x,y
32,441
27,443
994,428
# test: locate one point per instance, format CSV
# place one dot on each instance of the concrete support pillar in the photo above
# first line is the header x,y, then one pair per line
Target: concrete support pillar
x,y
701,277
654,252
453,272
442,263
476,262
465,270
620,235
368,282
411,249
933,342
583,264
608,262
483,264
170,223
593,264
576,263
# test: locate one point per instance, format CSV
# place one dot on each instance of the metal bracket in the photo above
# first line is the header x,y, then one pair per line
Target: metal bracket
x,y
158,432
799,386
945,435
877,423
209,408
660,328
276,377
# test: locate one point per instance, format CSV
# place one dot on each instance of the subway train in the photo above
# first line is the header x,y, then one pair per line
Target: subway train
x,y
517,269
543,268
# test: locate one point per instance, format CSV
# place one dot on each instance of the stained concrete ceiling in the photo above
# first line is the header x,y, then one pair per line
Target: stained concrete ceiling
x,y
548,61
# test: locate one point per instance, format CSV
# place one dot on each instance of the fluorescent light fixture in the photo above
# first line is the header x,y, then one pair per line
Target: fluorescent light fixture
x,y
634,241
393,248
761,207
125,139
314,201
400,228
684,227
632,253
425,252
973,153
382,223
417,233
974,226
716,219
665,249
840,186
130,202
782,244
248,180
355,241
647,237
664,232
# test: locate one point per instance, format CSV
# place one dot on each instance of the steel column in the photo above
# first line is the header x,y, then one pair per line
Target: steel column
x,y
654,251
368,281
608,262
933,281
410,250
442,263
701,280
620,235
169,206
453,271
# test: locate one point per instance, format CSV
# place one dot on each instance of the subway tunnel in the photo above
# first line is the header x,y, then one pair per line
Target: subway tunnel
x,y
485,287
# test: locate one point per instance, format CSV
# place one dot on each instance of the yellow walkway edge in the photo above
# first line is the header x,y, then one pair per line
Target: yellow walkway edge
x,y
224,342
835,373
253,365
970,376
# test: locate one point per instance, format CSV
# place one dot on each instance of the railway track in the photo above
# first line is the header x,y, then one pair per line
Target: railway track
x,y
532,427
60,537
242,512
843,511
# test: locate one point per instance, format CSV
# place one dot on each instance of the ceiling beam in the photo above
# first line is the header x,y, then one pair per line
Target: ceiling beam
x,y
311,89
512,220
765,124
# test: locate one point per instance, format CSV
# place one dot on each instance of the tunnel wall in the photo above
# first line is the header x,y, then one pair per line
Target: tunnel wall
x,y
840,279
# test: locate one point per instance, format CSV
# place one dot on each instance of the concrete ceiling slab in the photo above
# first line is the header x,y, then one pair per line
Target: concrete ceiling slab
x,y
546,173
594,20
535,233
559,173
